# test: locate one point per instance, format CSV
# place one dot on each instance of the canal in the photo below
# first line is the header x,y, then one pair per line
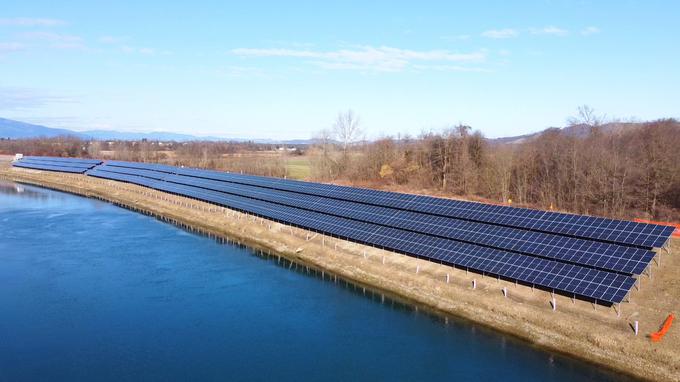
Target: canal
x,y
90,291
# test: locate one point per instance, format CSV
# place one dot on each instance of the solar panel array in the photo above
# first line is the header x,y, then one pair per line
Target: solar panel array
x,y
606,256
615,231
594,258
70,165
448,233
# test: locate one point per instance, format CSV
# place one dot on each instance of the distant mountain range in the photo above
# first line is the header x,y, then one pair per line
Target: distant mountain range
x,y
18,130
580,131
15,130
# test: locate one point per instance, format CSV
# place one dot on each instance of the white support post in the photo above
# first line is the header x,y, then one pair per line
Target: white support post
x,y
636,328
554,303
447,278
474,283
505,292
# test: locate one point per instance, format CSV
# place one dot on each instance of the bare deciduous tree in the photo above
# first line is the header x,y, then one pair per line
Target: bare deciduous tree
x,y
325,165
346,129
586,116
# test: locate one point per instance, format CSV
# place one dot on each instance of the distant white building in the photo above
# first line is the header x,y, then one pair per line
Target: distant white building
x,y
18,156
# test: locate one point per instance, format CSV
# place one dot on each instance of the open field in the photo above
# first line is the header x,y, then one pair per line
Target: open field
x,y
298,168
577,328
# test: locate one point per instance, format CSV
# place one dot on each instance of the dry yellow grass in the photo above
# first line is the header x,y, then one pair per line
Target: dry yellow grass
x,y
579,329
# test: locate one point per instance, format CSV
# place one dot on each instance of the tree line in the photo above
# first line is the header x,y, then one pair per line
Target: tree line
x,y
623,173
628,172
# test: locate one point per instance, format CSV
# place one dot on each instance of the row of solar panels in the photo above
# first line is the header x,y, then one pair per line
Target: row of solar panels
x,y
606,256
76,166
573,279
615,231
482,237
435,229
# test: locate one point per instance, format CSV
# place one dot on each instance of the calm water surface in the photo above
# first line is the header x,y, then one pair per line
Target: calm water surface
x,y
90,291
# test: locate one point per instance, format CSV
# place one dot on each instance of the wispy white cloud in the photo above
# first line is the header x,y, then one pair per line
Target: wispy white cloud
x,y
132,49
56,40
500,33
590,30
121,44
458,37
367,58
112,39
10,47
549,30
241,72
142,50
31,22
451,68
14,98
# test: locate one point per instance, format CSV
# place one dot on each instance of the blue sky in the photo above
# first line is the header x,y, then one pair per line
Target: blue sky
x,y
274,70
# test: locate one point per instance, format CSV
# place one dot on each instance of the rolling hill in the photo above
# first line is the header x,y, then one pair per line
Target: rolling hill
x,y
18,130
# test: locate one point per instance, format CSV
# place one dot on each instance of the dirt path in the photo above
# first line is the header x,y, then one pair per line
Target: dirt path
x,y
577,328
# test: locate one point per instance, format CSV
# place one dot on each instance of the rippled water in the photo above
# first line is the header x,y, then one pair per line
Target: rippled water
x,y
89,291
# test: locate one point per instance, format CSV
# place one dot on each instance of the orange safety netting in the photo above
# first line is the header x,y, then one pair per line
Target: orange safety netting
x,y
676,233
656,337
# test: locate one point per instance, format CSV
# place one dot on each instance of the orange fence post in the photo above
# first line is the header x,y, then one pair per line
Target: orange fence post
x,y
657,336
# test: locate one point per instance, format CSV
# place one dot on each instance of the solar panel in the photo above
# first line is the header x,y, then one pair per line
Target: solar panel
x,y
139,180
65,160
606,256
57,164
70,165
48,167
130,171
144,166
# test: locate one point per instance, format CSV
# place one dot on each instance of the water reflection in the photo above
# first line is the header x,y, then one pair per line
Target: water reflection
x,y
22,190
